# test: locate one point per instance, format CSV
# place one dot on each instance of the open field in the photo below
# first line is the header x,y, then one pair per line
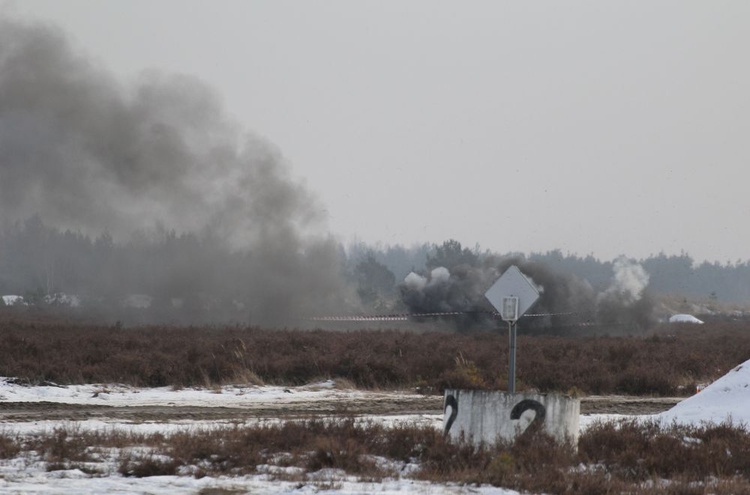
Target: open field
x,y
320,438
672,360
241,410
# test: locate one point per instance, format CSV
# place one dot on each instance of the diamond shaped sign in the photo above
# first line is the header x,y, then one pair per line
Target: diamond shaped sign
x,y
512,284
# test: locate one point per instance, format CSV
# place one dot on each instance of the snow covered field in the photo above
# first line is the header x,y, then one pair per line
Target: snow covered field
x,y
727,399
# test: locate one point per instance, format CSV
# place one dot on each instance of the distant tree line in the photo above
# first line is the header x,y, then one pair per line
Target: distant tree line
x,y
185,278
677,275
38,260
191,272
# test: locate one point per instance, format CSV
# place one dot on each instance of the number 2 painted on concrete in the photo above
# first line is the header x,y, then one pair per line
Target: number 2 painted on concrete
x,y
515,413
524,406
451,402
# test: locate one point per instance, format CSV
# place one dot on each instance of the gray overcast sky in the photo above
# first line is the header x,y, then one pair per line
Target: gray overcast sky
x,y
594,127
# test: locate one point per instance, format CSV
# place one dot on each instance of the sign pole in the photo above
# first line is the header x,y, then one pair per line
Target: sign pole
x,y
512,295
512,364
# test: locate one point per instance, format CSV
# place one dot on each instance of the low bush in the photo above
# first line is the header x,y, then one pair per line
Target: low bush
x,y
9,446
640,452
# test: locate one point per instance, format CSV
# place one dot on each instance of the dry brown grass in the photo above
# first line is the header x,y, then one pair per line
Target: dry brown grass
x,y
669,361
629,458
625,458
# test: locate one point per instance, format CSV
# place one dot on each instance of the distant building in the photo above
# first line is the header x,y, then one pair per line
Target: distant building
x,y
13,301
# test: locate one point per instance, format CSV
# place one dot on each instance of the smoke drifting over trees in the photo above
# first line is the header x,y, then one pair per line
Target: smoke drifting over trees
x,y
85,152
459,284
110,189
91,154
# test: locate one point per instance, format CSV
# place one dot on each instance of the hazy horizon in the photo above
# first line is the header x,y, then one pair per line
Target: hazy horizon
x,y
604,129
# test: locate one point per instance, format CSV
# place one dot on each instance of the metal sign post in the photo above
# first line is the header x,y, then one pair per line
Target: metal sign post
x,y
512,295
512,364
510,314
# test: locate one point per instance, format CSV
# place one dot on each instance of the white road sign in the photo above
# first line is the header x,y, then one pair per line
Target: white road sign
x,y
512,284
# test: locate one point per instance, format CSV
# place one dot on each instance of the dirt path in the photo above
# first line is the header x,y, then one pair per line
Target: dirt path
x,y
379,404
34,411
621,404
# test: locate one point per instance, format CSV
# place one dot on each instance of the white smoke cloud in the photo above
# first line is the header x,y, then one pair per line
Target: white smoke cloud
x,y
439,275
628,283
415,281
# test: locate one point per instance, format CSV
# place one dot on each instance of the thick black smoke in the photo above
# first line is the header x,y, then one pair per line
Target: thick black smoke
x,y
565,301
89,153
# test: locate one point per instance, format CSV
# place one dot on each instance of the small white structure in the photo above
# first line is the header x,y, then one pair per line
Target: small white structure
x,y
683,318
480,416
13,301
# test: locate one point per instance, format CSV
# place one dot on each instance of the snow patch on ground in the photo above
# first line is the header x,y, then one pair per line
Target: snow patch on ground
x,y
71,483
123,395
725,400
683,318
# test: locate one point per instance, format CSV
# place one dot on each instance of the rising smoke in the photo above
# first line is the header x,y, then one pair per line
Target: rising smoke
x,y
566,301
89,153
628,283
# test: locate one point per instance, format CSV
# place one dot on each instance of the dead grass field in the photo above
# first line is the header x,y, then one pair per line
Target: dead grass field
x,y
640,374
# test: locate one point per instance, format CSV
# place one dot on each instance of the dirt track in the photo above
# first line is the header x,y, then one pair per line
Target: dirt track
x,y
383,404
620,404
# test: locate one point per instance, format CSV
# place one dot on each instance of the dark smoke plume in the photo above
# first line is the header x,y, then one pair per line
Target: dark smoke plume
x,y
565,301
89,153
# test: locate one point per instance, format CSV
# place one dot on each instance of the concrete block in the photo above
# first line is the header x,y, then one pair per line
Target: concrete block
x,y
482,416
